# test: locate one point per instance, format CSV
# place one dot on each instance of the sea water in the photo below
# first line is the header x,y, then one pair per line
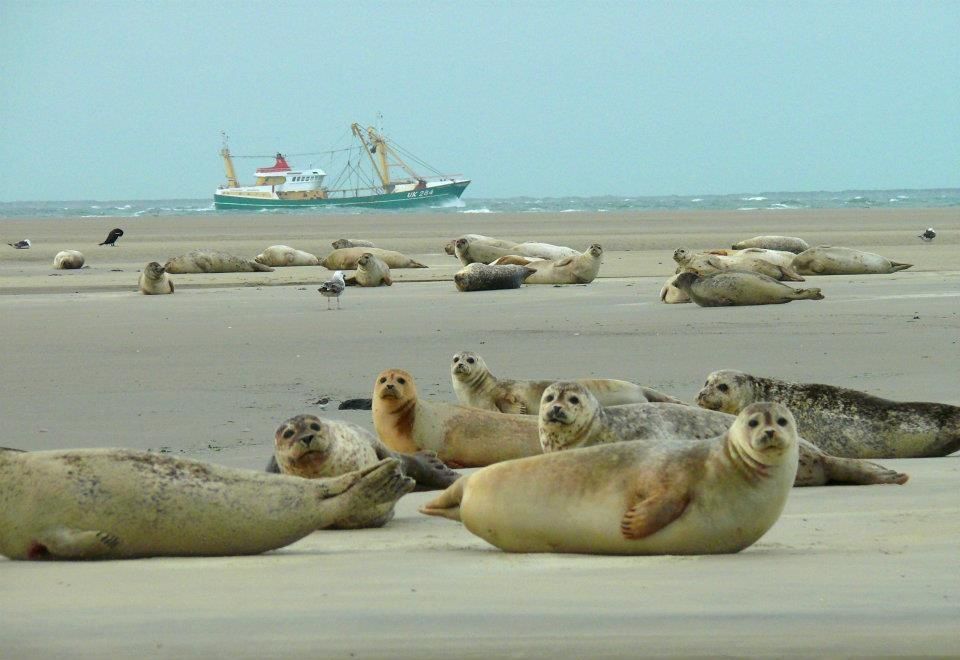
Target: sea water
x,y
745,202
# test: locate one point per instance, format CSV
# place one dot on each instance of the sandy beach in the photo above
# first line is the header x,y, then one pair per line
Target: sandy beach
x,y
211,371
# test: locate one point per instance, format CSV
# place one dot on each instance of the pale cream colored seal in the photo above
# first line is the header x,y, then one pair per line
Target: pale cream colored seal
x,y
514,260
347,258
206,260
571,418
784,243
371,271
707,264
671,295
737,288
284,255
460,436
119,503
545,251
476,386
154,280
571,270
841,421
68,260
828,260
718,495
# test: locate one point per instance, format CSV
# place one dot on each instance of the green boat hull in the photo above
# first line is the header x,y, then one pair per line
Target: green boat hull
x,y
427,197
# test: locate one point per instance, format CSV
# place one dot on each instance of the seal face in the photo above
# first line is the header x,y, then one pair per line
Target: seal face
x,y
841,421
372,271
118,503
695,497
154,280
739,288
68,260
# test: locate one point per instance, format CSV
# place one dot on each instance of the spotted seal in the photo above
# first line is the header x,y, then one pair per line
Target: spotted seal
x,y
707,264
341,243
206,260
783,243
481,277
154,280
841,421
737,288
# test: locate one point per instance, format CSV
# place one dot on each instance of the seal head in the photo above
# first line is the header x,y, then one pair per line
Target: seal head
x,y
727,391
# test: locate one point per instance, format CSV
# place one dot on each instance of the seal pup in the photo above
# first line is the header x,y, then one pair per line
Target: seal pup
x,y
341,243
841,421
154,280
712,496
459,435
21,245
284,255
707,264
206,260
739,288
572,418
68,259
784,243
309,447
332,288
928,235
828,260
371,271
571,270
476,386
112,237
120,503
347,258
481,277
671,295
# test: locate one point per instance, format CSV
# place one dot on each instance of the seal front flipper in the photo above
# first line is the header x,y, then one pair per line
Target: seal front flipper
x,y
69,543
429,471
511,404
652,513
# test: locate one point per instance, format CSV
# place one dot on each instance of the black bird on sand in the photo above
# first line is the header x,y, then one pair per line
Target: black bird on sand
x,y
928,235
112,237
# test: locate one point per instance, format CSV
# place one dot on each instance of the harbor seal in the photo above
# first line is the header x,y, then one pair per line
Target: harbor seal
x,y
120,503
347,258
671,295
341,243
284,255
470,251
844,422
68,260
481,277
712,496
784,243
371,271
460,436
514,260
707,264
571,270
828,260
477,387
572,418
154,280
450,247
206,260
313,448
545,251
736,288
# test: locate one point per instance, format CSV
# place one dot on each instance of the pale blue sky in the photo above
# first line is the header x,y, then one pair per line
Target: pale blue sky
x,y
126,100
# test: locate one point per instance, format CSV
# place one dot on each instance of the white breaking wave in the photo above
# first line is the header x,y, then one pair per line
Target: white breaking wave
x,y
752,199
483,210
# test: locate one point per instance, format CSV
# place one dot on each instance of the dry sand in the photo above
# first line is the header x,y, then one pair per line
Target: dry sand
x,y
211,371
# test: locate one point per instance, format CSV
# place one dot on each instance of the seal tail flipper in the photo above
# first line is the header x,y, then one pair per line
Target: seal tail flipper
x,y
654,396
448,504
790,275
899,266
388,280
69,543
429,471
808,294
857,471
260,268
652,514
417,264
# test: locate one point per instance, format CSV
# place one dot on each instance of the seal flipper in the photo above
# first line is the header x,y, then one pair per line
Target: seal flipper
x,y
856,471
429,471
448,504
511,405
70,543
652,513
272,466
897,266
350,281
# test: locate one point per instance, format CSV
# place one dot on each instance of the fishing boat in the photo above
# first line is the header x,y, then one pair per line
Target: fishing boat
x,y
281,186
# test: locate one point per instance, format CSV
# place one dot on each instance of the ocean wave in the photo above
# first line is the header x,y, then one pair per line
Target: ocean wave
x,y
753,199
480,210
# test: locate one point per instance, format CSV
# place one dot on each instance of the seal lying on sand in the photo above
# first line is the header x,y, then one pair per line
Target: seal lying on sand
x,y
651,497
571,270
736,288
313,448
68,260
827,260
544,251
154,280
844,422
284,255
341,243
671,295
784,243
707,264
450,247
471,251
205,260
347,258
119,503
481,277
371,271
475,386
460,436
572,418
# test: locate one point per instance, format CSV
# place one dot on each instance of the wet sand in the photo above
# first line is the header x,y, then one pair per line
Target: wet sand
x,y
211,371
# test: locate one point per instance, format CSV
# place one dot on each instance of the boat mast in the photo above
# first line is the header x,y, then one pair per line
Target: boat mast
x,y
228,163
375,143
384,173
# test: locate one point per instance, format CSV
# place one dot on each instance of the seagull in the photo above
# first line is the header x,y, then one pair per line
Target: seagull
x,y
21,245
928,235
332,288
112,237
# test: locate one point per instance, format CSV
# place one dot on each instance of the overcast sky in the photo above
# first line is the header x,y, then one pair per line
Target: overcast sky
x,y
126,100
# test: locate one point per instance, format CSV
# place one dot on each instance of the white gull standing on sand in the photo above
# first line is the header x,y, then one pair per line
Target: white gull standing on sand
x,y
332,288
